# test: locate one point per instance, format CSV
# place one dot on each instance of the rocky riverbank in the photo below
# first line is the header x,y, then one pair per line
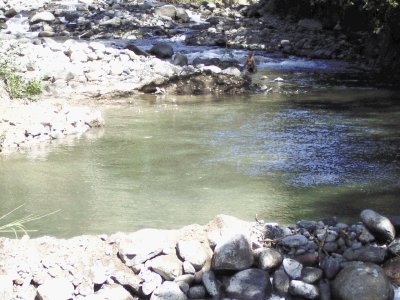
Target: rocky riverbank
x,y
226,259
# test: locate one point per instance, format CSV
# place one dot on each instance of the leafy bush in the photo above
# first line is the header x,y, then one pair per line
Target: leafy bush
x,y
16,86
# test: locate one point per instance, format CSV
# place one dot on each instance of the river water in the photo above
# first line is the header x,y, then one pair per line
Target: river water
x,y
320,145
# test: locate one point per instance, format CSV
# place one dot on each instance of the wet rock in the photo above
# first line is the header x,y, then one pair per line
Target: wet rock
x,y
162,50
193,252
250,284
311,275
294,241
212,285
135,49
293,268
281,282
197,292
379,225
392,270
362,281
269,259
300,288
331,266
234,253
180,59
55,289
168,266
44,16
394,247
366,254
168,291
310,24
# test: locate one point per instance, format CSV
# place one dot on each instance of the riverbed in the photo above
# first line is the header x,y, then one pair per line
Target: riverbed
x,y
315,146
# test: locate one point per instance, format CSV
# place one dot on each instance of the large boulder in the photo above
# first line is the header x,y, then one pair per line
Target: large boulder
x,y
234,254
380,226
364,281
250,284
162,50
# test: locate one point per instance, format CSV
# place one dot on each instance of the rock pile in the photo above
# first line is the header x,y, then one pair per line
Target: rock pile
x,y
226,259
23,126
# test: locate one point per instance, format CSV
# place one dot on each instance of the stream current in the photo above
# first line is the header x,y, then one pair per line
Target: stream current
x,y
322,146
323,141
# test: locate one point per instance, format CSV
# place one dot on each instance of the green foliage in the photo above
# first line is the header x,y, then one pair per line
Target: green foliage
x,y
18,225
16,86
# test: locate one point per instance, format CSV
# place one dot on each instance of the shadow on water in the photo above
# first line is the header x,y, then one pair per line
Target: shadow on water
x,y
348,205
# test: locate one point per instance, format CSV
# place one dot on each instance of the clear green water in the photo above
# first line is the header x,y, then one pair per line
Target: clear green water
x,y
171,162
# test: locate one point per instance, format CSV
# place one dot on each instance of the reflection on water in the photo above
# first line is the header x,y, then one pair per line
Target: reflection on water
x,y
170,162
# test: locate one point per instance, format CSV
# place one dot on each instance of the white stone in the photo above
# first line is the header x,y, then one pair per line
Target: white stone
x,y
55,289
193,252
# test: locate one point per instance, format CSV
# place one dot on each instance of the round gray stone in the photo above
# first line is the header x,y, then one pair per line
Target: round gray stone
x,y
362,281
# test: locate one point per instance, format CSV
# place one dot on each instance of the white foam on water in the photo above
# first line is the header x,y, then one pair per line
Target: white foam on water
x,y
294,64
397,293
19,25
195,17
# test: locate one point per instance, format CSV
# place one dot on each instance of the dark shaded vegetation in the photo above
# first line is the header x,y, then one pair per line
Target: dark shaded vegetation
x,y
378,20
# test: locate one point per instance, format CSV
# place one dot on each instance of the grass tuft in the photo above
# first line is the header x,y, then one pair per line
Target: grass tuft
x,y
18,226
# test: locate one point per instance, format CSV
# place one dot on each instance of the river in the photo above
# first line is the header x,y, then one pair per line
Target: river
x,y
320,144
